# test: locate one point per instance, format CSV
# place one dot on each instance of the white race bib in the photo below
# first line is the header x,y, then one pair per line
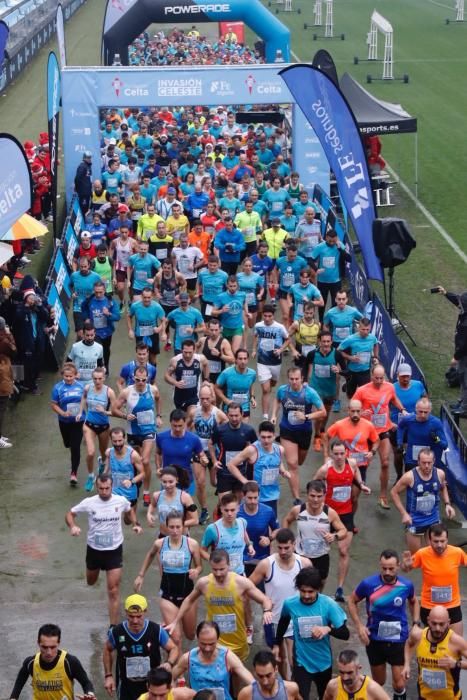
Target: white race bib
x,y
294,419
174,560
184,331
364,357
137,667
239,398
389,630
73,408
270,477
436,680
145,417
215,366
267,344
329,262
145,331
441,594
342,333
227,623
322,371
378,420
416,449
190,381
341,494
425,503
104,541
306,625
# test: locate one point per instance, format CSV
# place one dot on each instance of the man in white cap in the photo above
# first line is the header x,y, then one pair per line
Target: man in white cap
x,y
408,391
136,644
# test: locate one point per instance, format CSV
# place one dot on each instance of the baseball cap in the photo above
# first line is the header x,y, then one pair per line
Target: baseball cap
x,y
87,154
404,370
184,296
122,208
275,220
112,142
85,234
171,190
136,601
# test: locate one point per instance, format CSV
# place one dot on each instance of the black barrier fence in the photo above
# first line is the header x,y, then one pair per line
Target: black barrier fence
x,y
58,290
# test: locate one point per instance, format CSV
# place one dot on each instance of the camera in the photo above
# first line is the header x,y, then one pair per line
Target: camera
x,y
434,290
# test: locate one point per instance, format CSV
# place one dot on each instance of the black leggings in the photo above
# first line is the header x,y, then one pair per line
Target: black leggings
x,y
328,288
304,679
72,434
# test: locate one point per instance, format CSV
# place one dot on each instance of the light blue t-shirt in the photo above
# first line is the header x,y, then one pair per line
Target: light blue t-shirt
x,y
363,347
407,397
314,655
213,284
236,385
146,317
249,284
301,295
144,268
276,200
83,285
341,321
328,260
289,271
182,320
233,318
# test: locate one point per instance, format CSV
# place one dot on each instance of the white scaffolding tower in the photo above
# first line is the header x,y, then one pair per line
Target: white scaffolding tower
x,y
329,29
460,10
380,24
317,11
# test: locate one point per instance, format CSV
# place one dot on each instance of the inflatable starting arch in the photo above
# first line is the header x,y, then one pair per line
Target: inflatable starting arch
x,y
126,19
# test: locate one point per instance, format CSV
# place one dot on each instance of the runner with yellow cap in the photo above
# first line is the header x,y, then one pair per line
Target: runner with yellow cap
x,y
136,644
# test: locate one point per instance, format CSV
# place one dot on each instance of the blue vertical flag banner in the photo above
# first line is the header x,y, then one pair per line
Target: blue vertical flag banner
x,y
392,351
60,24
53,111
15,183
334,124
361,293
4,32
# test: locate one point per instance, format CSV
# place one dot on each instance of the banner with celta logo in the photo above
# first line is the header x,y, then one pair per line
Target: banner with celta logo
x,y
4,32
53,111
334,124
61,36
15,183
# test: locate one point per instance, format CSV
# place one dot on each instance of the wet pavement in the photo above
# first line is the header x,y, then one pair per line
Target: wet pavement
x,y
42,570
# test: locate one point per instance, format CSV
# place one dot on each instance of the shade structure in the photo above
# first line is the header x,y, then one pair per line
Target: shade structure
x,y
6,252
26,227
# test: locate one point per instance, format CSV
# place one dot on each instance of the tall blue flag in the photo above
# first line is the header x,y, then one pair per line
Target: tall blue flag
x,y
15,183
334,124
53,111
4,32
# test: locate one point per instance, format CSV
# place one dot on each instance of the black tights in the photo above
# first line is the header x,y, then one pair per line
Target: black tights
x,y
304,679
72,434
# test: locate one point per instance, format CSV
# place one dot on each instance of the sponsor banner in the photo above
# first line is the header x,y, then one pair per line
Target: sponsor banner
x,y
333,122
76,217
392,351
456,463
361,293
53,111
61,277
309,158
15,183
238,28
69,243
4,32
60,25
58,342
18,61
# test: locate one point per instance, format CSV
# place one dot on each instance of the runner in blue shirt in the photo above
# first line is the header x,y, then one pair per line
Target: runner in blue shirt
x,y
232,309
270,340
235,384
82,283
142,267
301,292
357,350
329,256
276,198
212,281
124,464
300,406
127,372
289,221
187,322
386,596
179,446
263,265
315,618
288,267
341,318
66,401
149,323
261,525
408,391
103,312
228,533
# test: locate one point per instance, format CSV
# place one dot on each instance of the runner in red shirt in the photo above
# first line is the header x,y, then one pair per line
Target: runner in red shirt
x,y
376,396
340,473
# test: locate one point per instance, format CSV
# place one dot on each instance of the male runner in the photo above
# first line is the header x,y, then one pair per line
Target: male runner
x,y
270,339
184,373
269,683
149,321
235,384
350,683
86,354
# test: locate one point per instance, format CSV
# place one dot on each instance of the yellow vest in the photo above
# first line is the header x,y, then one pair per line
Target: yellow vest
x,y
275,241
360,694
51,685
436,683
307,334
224,605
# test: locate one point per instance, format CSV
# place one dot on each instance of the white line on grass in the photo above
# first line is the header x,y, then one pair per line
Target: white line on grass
x,y
426,213
441,4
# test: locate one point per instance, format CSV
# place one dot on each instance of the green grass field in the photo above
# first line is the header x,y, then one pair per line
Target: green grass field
x,y
434,56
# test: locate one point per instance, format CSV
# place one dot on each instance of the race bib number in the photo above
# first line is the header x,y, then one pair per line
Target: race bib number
x,y
364,357
441,594
161,253
227,623
359,457
378,420
190,381
197,213
288,278
341,494
174,560
230,454
215,367
137,667
425,503
267,344
270,477
276,206
307,348
141,275
342,333
416,449
184,331
250,298
208,311
294,418
307,624
145,331
329,262
313,547
240,398
145,417
436,680
235,561
73,408
100,321
322,371
104,541
389,630
300,309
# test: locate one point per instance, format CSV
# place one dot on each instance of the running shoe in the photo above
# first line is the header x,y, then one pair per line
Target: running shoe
x,y
100,465
146,500
5,439
73,479
89,485
336,406
249,635
383,503
4,444
204,516
317,444
339,596
265,416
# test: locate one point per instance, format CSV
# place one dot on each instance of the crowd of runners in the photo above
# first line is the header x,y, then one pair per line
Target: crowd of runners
x,y
202,243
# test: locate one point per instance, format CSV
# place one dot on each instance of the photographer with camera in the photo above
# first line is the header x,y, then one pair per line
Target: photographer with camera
x,y
460,347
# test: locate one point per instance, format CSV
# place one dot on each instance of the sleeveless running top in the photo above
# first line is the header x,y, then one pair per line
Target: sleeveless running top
x,y
104,270
311,528
307,336
54,684
164,507
233,541
434,682
224,605
339,489
214,676
204,425
422,499
121,470
266,472
360,694
281,694
216,364
175,561
168,290
280,584
141,405
96,400
190,374
122,254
